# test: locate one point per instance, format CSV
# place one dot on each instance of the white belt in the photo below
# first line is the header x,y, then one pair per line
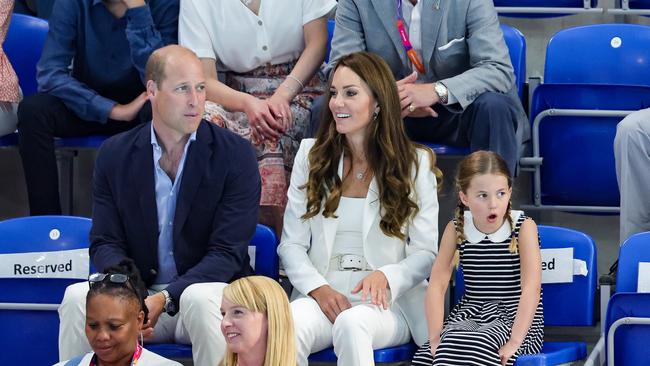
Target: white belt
x,y
349,262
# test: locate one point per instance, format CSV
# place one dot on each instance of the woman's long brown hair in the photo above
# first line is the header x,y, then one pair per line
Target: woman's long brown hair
x,y
390,154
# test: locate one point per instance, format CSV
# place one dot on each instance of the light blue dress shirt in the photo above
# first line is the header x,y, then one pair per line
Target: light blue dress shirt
x,y
166,195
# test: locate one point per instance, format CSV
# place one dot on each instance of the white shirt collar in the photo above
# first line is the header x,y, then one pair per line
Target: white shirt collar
x,y
473,235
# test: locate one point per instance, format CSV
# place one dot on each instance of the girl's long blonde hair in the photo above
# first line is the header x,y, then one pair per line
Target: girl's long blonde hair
x,y
264,295
479,163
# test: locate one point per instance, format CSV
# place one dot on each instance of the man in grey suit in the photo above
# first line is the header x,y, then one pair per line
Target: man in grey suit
x,y
632,154
456,85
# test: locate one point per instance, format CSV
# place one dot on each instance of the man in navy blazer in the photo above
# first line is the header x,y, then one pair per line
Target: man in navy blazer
x,y
178,196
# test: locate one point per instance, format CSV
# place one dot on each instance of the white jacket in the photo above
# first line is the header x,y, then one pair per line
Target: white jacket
x,y
305,248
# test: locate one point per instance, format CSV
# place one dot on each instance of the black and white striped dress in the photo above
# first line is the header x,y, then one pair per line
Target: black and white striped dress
x,y
482,320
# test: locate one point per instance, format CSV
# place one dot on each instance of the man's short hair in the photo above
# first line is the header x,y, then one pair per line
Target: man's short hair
x,y
155,68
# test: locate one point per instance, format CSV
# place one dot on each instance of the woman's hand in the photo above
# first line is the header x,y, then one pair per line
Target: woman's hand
x,y
506,351
374,286
331,302
260,119
280,107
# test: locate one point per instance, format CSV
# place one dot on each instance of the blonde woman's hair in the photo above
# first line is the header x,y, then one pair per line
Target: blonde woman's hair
x,y
479,163
264,295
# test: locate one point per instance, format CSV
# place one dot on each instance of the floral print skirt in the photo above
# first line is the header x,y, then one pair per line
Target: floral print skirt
x,y
275,159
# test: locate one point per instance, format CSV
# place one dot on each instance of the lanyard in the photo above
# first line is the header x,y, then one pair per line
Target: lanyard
x,y
134,361
410,52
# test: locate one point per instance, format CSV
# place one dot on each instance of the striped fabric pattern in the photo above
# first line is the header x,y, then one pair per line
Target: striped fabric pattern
x,y
482,320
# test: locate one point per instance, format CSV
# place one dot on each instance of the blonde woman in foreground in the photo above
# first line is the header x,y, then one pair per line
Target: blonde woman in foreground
x,y
257,323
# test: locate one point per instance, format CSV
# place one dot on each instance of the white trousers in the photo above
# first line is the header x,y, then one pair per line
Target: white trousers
x,y
197,323
632,154
354,334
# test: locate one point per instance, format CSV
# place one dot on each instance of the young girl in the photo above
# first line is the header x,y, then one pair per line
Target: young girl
x,y
500,315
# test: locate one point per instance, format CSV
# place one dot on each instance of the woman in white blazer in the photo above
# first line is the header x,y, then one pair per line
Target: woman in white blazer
x,y
360,228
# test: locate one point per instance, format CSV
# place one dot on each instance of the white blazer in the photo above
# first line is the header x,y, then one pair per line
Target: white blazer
x,y
306,245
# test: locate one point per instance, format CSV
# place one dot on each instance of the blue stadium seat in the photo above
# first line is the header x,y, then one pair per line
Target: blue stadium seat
x,y
23,45
634,250
266,263
627,321
594,76
565,304
392,354
28,305
628,329
516,44
10,140
330,33
631,7
545,8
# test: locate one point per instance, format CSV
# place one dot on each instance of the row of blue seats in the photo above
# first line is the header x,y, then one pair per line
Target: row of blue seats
x,y
594,75
553,8
518,8
30,322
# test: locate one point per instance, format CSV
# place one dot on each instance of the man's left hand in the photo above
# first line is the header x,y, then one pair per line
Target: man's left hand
x,y
155,303
413,96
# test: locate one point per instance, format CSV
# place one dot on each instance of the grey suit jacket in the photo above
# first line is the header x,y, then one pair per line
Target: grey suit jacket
x,y
462,46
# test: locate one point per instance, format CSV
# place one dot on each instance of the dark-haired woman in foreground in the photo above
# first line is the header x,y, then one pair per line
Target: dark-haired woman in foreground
x,y
360,228
115,312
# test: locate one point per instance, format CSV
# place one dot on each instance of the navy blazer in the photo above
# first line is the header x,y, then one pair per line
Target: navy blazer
x,y
216,211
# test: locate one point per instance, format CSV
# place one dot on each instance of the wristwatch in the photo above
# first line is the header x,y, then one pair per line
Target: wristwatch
x,y
169,308
442,92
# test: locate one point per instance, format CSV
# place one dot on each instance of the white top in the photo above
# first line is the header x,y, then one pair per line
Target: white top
x,y
474,235
348,239
148,358
228,31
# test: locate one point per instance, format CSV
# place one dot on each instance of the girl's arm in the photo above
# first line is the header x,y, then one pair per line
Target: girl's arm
x,y
438,282
531,282
315,34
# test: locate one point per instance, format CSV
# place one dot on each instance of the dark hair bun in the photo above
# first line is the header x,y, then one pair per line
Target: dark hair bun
x,y
134,287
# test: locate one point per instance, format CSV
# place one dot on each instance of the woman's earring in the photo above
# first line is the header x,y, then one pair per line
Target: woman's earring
x,y
141,340
376,113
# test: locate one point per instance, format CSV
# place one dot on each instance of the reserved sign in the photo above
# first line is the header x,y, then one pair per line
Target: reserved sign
x,y
557,265
72,264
